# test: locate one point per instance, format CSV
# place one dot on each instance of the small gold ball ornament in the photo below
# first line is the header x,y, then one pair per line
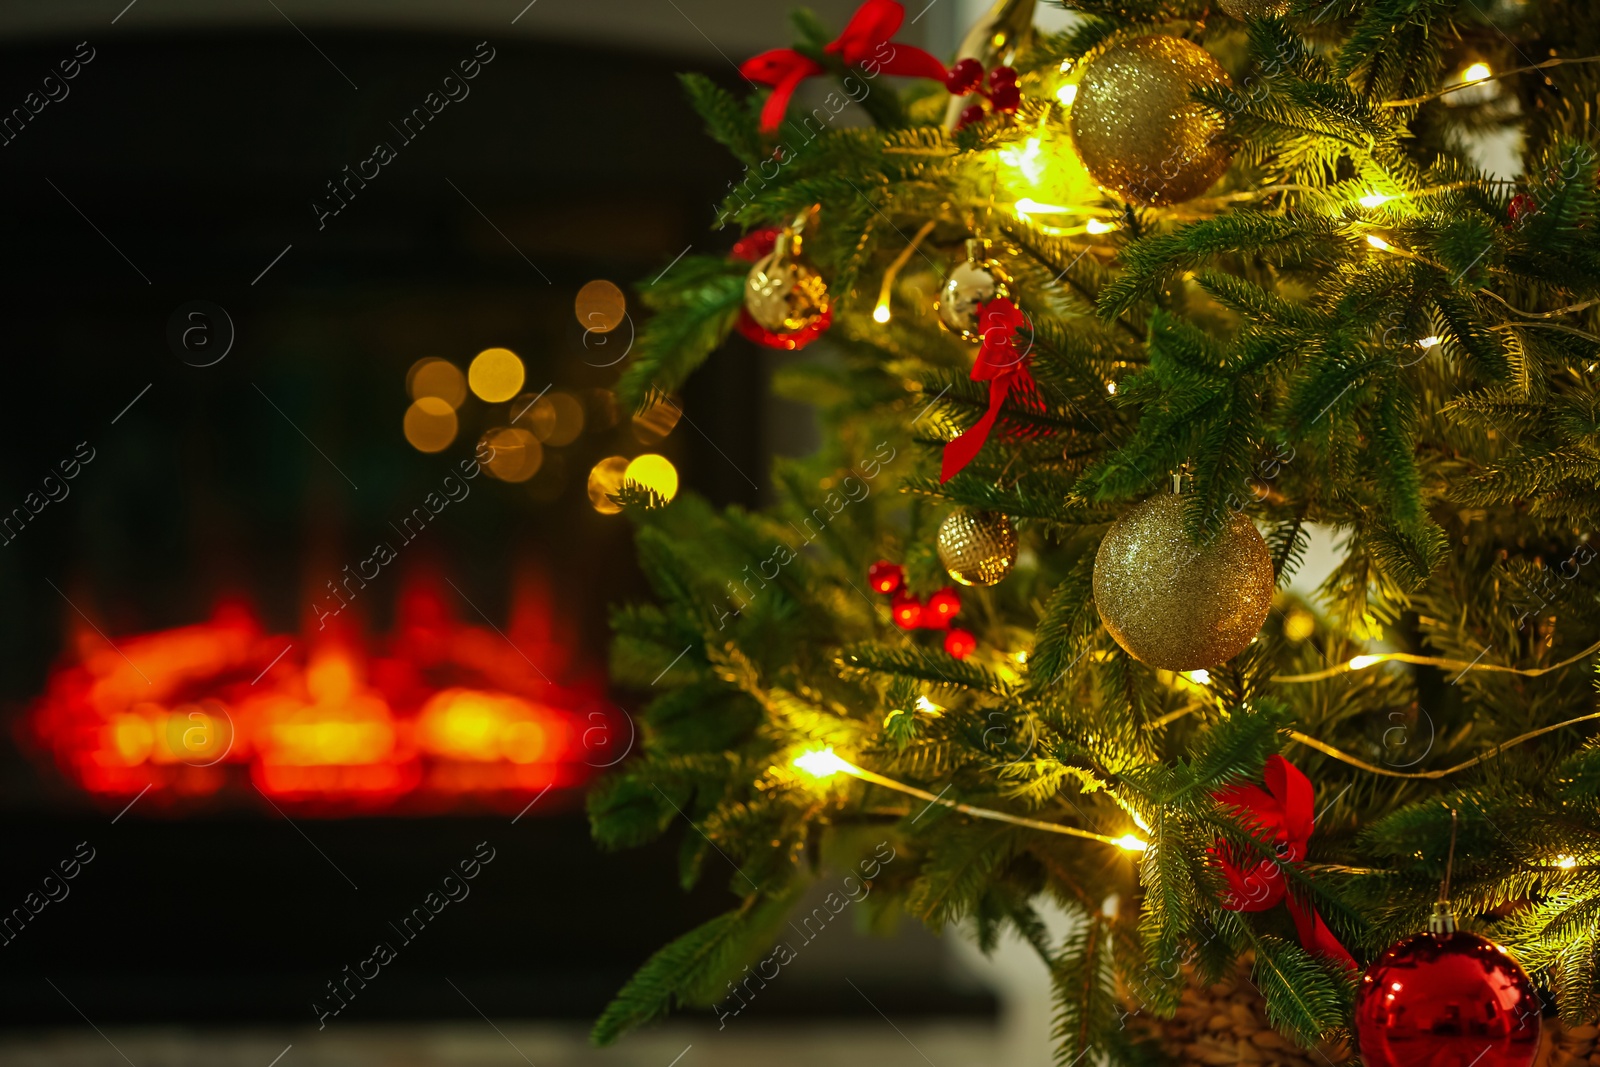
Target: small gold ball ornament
x,y
782,292
976,280
1175,605
977,547
1137,128
1255,9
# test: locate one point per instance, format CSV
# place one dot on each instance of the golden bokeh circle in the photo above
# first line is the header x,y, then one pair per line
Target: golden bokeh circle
x,y
437,377
430,424
555,418
656,421
604,479
496,374
514,453
653,472
600,306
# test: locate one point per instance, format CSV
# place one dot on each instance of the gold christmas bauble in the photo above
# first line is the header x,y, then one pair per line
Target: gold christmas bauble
x,y
1176,605
1255,9
977,547
976,280
782,293
1136,127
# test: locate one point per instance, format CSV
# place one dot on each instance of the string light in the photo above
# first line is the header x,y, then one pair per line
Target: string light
x,y
1378,242
1201,677
1363,662
928,707
1429,342
1476,73
1099,226
1374,199
1067,94
1566,862
881,312
823,763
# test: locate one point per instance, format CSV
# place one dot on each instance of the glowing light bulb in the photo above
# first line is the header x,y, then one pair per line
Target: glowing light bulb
x,y
1140,822
881,312
1477,72
821,763
1067,94
1363,662
1111,388
1378,242
1198,677
1429,341
1566,862
928,707
1374,199
1098,226
1131,843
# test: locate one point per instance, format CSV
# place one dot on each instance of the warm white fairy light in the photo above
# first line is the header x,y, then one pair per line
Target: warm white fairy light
x,y
1099,226
1431,341
928,707
1378,242
821,763
1374,200
1363,662
1476,73
1067,94
1201,677
1566,862
881,312
1131,843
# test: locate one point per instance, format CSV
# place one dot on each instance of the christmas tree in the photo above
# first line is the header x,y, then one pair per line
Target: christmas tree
x,y
1114,318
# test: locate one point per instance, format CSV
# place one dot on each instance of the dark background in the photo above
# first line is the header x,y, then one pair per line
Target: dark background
x,y
197,154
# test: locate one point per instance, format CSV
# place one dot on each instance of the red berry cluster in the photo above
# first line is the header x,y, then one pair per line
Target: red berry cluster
x,y
1522,205
967,77
910,612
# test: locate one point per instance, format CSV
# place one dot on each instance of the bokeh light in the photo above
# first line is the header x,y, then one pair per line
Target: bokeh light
x,y
656,421
555,419
605,479
514,453
430,424
437,377
495,374
653,472
600,306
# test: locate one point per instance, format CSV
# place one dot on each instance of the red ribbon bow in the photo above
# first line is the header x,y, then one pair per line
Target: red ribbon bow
x,y
1002,367
1284,810
868,31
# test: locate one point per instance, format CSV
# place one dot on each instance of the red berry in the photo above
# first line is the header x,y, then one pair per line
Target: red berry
x,y
959,643
943,605
1002,76
885,577
964,77
1521,206
969,115
1006,98
907,611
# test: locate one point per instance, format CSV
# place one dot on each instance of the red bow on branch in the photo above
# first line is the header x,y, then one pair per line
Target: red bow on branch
x,y
1002,367
1283,810
864,38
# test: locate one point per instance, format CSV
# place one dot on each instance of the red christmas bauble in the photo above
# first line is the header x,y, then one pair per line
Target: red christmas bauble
x,y
907,611
1446,1000
885,577
1001,76
959,643
757,244
943,606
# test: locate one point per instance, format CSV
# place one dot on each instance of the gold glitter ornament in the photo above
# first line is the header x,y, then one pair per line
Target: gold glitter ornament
x,y
782,292
1175,605
1255,9
977,547
1137,128
976,280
